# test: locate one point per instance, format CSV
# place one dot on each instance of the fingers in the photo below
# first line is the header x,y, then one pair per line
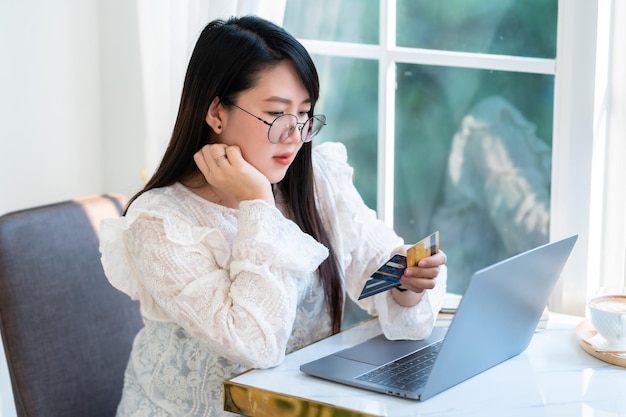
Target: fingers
x,y
212,157
418,284
216,154
228,173
221,158
428,267
200,160
424,276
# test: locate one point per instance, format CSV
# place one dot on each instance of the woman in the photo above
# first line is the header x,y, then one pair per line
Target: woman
x,y
243,244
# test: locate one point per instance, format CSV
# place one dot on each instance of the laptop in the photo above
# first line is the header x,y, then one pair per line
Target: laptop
x,y
495,321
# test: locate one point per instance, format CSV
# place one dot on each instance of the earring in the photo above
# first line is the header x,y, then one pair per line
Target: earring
x,y
219,127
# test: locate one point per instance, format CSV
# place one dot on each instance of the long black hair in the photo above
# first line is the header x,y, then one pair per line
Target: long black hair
x,y
227,60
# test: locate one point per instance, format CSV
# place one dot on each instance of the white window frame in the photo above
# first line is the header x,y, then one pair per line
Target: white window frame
x,y
573,136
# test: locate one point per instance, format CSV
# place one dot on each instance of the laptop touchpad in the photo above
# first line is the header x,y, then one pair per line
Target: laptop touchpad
x,y
378,350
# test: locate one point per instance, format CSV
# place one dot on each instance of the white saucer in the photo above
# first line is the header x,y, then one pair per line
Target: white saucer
x,y
602,345
587,340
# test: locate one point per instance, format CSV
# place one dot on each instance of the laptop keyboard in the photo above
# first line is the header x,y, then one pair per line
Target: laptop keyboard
x,y
408,373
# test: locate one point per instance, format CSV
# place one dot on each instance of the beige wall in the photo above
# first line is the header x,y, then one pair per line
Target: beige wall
x,y
71,111
71,102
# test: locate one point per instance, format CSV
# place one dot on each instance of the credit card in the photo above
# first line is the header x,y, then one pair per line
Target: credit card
x,y
388,275
423,249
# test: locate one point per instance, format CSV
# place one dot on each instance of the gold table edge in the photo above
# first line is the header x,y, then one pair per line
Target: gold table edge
x,y
244,402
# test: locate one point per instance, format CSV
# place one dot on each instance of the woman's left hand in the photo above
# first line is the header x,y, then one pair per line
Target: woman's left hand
x,y
424,275
418,278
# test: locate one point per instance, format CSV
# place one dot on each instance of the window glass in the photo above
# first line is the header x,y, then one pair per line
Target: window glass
x,y
332,20
349,98
505,27
472,147
473,160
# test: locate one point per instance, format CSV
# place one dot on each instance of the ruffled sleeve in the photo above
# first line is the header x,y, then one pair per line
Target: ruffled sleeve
x,y
363,243
241,302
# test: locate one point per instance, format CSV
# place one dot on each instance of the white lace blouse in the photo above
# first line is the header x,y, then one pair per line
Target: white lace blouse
x,y
222,290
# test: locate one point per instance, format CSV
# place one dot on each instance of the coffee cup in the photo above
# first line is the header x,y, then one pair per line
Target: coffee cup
x,y
608,316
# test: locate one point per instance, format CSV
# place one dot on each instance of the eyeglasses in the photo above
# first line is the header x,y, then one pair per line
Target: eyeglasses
x,y
283,126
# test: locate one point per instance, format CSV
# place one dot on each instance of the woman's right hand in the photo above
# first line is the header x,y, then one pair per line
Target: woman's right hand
x,y
230,175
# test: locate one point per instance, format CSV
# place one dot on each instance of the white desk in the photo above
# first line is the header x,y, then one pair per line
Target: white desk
x,y
553,377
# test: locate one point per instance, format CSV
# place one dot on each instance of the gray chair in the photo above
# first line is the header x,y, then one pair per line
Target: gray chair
x,y
67,332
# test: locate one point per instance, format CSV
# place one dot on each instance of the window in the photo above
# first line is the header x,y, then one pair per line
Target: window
x,y
453,103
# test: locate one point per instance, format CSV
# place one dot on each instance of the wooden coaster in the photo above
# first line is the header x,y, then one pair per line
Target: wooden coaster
x,y
585,331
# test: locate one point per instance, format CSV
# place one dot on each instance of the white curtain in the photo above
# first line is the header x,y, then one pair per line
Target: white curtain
x,y
608,237
168,30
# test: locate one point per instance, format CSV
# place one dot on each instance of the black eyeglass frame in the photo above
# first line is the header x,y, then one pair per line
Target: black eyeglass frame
x,y
299,126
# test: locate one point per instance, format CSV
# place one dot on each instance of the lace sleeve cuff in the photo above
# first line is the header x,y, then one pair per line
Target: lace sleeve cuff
x,y
265,236
415,322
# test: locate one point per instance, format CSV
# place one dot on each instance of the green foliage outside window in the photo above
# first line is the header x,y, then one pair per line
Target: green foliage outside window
x,y
433,104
